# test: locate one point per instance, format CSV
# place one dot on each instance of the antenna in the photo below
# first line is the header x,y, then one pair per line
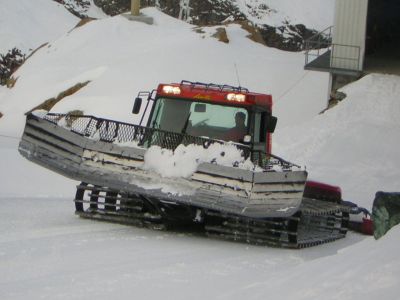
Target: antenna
x,y
237,74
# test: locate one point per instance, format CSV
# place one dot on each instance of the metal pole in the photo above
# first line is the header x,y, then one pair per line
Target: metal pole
x,y
135,7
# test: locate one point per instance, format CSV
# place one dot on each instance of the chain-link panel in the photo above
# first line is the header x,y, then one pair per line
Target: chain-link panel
x,y
118,132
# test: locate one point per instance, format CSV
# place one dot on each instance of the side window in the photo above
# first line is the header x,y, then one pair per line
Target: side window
x,y
257,127
260,133
263,130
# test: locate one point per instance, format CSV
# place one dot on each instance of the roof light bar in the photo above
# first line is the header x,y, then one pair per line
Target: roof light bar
x,y
169,89
236,97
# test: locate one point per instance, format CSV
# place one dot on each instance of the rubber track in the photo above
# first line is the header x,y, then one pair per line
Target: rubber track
x,y
114,209
317,222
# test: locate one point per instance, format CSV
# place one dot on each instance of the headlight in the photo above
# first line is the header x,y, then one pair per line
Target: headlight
x,y
236,97
169,89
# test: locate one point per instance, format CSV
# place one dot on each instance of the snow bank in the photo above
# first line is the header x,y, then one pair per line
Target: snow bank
x,y
363,271
183,162
27,24
354,145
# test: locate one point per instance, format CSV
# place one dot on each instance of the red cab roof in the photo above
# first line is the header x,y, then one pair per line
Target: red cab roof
x,y
222,94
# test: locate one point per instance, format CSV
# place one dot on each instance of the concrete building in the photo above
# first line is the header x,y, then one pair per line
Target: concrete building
x,y
364,38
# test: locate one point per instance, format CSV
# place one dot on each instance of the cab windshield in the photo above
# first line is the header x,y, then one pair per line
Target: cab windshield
x,y
215,121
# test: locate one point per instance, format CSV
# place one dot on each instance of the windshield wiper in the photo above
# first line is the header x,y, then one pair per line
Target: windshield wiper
x,y
186,124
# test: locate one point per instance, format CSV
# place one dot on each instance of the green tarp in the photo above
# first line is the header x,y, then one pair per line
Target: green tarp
x,y
385,212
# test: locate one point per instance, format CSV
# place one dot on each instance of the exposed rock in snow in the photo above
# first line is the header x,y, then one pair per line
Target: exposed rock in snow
x,y
82,8
283,24
9,63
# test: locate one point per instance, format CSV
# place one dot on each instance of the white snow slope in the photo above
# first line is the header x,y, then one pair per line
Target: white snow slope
x,y
136,57
48,253
27,24
354,145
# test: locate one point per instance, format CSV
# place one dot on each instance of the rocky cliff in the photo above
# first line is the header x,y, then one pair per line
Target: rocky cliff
x,y
286,36
289,37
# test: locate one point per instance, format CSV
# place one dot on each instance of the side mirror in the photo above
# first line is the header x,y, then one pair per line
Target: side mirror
x,y
137,105
200,108
270,123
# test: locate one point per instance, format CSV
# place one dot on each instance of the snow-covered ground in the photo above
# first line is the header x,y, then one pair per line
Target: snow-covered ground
x,y
46,252
27,24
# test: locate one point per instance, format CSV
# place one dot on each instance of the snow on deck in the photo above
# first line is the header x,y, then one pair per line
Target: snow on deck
x,y
183,162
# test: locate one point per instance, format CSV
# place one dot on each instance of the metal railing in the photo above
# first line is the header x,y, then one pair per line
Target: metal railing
x,y
318,44
219,87
341,56
110,131
345,57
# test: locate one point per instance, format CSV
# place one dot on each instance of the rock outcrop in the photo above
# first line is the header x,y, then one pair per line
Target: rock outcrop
x,y
289,37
